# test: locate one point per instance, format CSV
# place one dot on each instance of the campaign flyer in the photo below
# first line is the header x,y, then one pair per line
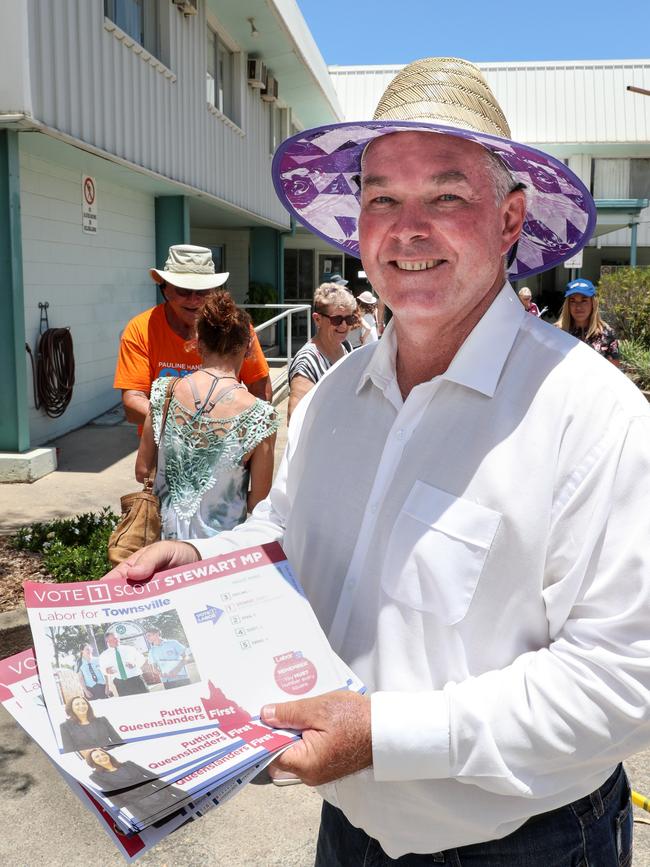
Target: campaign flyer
x,y
195,648
21,696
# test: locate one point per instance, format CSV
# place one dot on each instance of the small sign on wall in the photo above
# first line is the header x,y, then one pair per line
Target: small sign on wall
x,y
574,261
88,205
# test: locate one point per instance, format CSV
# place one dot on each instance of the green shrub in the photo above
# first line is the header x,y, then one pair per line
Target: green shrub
x,y
625,296
73,549
635,360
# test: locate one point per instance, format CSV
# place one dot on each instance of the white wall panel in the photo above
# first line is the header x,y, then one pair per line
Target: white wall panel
x,y
94,284
89,83
555,102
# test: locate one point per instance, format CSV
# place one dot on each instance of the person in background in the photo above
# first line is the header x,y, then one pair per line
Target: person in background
x,y
526,298
580,317
340,281
218,439
155,343
366,332
367,307
335,313
90,674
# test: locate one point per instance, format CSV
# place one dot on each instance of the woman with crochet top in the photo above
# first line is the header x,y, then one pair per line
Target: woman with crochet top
x,y
215,455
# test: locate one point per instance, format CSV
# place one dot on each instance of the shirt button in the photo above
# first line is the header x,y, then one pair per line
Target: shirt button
x,y
373,508
400,434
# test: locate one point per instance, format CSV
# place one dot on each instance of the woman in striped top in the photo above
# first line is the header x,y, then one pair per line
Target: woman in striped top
x,y
335,312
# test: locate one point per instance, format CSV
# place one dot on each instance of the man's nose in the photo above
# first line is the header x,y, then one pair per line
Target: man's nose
x,y
412,222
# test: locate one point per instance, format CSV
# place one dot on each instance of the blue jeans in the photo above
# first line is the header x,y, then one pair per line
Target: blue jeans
x,y
595,831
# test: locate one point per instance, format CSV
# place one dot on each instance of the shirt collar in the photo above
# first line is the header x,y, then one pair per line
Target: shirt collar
x,y
479,361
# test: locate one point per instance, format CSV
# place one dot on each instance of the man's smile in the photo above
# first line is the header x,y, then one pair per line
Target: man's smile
x,y
423,265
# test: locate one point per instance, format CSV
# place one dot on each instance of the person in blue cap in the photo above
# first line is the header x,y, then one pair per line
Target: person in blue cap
x,y
580,317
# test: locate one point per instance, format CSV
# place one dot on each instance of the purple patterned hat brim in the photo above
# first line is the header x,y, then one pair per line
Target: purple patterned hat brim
x,y
313,175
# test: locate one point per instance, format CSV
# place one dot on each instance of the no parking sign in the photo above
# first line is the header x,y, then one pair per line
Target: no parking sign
x,y
88,205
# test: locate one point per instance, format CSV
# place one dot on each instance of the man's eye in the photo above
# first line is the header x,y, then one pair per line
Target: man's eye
x,y
448,197
381,200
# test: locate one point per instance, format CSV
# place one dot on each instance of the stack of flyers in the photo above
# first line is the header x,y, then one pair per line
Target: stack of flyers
x,y
21,696
147,696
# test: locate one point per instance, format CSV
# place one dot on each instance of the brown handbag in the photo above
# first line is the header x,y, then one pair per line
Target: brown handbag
x,y
140,521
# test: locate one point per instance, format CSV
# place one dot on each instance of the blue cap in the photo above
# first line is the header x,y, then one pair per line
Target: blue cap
x,y
580,287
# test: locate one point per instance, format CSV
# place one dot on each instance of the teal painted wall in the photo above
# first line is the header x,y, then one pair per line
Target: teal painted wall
x,y
14,419
172,226
264,249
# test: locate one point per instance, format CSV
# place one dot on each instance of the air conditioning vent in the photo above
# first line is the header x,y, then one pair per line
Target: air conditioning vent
x,y
187,7
256,72
270,92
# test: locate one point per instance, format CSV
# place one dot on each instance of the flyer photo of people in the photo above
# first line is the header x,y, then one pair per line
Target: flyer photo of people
x,y
83,730
170,659
132,787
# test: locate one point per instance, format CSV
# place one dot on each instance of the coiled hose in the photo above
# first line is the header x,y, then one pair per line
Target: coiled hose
x,y
53,373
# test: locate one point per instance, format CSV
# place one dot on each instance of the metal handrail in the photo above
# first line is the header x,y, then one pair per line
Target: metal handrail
x,y
287,313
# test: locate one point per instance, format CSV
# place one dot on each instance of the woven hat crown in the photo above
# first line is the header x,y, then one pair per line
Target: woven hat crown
x,y
445,90
188,259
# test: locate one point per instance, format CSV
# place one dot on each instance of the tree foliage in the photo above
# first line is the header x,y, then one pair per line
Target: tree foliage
x,y
625,298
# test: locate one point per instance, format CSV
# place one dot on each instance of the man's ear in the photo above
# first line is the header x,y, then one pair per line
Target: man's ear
x,y
513,210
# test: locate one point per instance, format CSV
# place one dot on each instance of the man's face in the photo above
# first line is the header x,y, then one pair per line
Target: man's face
x,y
432,237
153,637
112,640
185,303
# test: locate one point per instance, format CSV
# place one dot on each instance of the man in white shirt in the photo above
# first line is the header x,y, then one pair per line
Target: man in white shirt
x,y
498,618
123,664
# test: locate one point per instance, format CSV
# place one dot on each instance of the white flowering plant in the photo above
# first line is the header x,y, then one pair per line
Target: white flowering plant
x,y
73,549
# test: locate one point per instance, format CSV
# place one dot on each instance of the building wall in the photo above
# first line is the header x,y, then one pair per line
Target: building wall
x,y
550,103
236,243
91,82
94,284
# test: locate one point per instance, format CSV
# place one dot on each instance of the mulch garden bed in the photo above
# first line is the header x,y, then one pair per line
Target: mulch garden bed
x,y
16,567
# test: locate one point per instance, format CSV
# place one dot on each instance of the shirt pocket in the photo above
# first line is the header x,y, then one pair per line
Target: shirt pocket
x,y
436,552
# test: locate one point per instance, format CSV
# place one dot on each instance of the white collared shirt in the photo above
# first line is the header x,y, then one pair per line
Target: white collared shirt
x,y
479,555
131,656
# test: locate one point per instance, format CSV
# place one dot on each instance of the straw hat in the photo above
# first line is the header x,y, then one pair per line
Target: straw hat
x,y
367,298
315,171
189,267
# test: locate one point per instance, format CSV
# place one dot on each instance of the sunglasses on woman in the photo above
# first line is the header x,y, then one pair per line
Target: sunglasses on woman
x,y
337,320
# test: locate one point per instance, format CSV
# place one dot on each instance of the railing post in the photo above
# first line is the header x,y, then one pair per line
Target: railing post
x,y
289,337
308,312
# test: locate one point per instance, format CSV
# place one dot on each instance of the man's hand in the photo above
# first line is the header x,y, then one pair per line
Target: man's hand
x,y
142,565
336,739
